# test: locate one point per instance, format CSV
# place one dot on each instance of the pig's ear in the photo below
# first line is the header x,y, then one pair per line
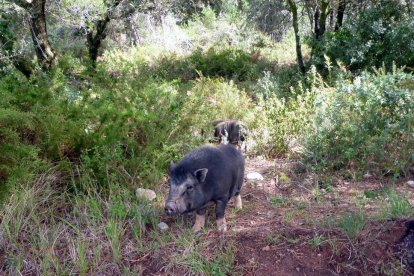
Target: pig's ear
x,y
172,165
201,174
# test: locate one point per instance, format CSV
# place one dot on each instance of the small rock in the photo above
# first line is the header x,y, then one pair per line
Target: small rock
x,y
367,175
297,269
146,193
410,183
266,248
254,176
163,226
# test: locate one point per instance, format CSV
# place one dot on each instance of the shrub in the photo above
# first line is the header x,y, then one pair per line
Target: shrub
x,y
367,122
382,33
127,127
228,63
209,100
33,125
123,130
287,120
271,17
19,155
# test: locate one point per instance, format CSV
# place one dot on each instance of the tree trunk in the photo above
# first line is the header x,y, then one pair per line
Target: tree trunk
x,y
44,52
320,19
38,29
331,20
95,38
294,11
340,14
309,12
324,16
96,35
316,22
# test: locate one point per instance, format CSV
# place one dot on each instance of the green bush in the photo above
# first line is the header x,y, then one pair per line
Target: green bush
x,y
287,120
122,130
368,122
34,125
228,63
209,100
127,125
19,154
381,34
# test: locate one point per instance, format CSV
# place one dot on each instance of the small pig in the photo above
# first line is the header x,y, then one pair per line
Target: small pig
x,y
231,131
206,174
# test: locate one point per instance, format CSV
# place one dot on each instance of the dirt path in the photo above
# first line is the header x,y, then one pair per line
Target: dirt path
x,y
283,230
289,227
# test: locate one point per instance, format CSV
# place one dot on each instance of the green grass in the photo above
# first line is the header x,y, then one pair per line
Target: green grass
x,y
279,201
281,237
59,231
97,231
197,255
397,206
114,232
351,223
317,240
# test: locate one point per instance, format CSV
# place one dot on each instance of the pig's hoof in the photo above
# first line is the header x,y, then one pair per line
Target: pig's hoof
x,y
222,228
199,223
196,230
239,204
221,225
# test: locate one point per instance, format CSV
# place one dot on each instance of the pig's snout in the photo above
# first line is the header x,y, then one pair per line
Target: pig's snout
x,y
170,208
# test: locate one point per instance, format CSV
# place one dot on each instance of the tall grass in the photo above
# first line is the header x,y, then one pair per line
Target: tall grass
x,y
49,230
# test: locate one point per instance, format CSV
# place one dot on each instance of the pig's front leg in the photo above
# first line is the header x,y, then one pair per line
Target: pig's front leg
x,y
220,218
200,220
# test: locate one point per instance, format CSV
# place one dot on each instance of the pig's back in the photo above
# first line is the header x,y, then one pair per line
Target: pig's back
x,y
225,166
203,157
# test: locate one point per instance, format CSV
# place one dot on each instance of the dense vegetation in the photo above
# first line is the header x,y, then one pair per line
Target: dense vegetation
x,y
123,87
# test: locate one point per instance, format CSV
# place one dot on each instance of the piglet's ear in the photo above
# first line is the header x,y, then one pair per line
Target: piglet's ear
x,y
201,174
172,165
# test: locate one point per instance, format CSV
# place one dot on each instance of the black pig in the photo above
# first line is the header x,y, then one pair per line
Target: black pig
x,y
232,131
206,174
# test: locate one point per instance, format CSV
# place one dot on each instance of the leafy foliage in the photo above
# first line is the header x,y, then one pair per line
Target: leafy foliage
x,y
368,121
380,34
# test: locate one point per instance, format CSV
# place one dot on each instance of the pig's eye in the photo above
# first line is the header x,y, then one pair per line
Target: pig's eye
x,y
190,188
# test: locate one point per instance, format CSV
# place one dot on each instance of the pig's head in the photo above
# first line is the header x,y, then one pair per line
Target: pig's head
x,y
185,190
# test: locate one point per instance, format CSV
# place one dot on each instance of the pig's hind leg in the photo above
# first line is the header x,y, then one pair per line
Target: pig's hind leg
x,y
238,201
220,218
200,220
